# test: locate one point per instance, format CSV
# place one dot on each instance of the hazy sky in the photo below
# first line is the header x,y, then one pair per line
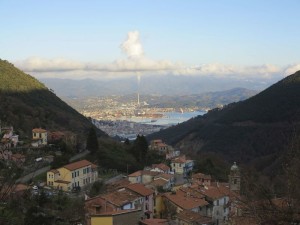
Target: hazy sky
x,y
76,38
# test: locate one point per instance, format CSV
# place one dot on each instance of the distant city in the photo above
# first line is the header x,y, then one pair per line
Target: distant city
x,y
126,118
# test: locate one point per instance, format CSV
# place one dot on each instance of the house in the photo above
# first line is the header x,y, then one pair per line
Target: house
x,y
39,137
187,217
131,197
142,176
131,217
163,180
161,168
163,149
9,139
218,197
73,175
186,199
147,198
181,165
201,179
122,199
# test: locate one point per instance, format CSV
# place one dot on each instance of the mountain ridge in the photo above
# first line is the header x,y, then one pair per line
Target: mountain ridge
x,y
257,128
26,103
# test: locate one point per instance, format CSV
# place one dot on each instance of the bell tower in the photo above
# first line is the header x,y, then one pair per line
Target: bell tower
x,y
235,178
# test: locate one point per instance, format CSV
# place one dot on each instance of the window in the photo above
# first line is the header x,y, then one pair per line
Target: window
x,y
235,181
217,202
77,173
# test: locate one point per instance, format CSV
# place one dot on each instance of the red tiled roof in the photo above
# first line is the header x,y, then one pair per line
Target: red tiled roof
x,y
38,130
215,192
180,159
54,171
136,174
77,165
159,182
140,189
165,176
154,222
121,197
161,166
184,201
193,217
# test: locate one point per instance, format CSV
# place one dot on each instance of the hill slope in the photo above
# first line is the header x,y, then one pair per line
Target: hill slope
x,y
26,103
255,130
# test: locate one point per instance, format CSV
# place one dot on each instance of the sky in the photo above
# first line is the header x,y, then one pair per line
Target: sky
x,y
79,39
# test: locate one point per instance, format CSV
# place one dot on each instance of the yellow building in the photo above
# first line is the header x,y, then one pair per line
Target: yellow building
x,y
39,137
159,206
121,217
73,175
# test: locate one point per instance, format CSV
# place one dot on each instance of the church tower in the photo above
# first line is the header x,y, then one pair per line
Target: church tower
x,y
235,178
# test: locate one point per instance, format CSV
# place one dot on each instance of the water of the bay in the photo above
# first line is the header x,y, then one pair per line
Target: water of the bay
x,y
169,118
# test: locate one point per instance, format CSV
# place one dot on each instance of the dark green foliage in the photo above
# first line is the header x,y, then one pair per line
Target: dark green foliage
x,y
140,149
59,161
254,131
26,103
35,216
92,141
97,188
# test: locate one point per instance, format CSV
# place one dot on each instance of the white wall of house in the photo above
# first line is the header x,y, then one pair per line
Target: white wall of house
x,y
220,210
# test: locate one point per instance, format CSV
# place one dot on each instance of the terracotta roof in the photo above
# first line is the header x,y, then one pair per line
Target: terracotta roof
x,y
38,130
53,171
159,182
121,197
180,159
162,145
154,222
215,192
193,217
161,166
140,189
143,172
136,174
184,201
165,176
77,165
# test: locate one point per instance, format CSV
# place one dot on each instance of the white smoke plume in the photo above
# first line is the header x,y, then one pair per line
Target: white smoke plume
x,y
132,46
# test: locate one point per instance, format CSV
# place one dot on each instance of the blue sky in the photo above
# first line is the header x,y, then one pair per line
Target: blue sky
x,y
75,35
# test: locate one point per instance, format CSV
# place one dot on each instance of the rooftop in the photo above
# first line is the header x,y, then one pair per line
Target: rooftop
x,y
140,189
78,165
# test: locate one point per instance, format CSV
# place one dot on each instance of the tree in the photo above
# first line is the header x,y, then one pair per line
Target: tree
x,y
140,148
92,141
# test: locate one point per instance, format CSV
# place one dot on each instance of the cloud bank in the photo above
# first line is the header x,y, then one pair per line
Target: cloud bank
x,y
137,63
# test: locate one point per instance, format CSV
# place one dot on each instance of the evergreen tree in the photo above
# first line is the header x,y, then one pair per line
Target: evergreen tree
x,y
140,146
92,141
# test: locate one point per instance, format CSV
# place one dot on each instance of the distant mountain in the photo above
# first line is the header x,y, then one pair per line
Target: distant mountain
x,y
26,103
255,131
206,99
160,85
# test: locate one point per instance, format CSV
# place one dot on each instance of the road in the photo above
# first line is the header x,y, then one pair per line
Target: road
x,y
29,176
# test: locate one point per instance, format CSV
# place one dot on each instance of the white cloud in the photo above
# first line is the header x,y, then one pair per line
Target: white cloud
x,y
132,46
292,69
136,63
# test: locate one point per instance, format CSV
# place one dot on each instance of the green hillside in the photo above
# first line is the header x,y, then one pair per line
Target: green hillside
x,y
255,131
26,103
